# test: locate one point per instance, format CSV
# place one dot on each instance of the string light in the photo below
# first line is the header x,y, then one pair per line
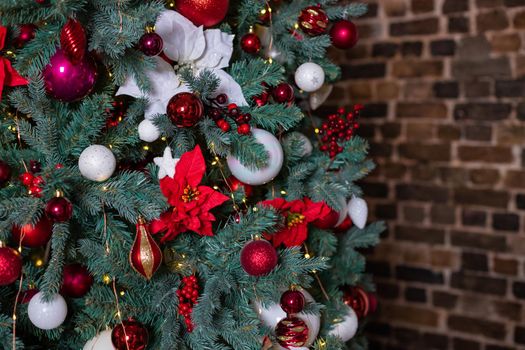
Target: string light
x,y
146,148
39,262
307,256
283,192
106,279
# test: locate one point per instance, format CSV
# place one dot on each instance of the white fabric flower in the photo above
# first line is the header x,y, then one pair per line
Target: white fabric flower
x,y
191,46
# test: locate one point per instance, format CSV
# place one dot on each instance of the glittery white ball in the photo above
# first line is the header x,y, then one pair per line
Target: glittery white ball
x,y
263,175
309,77
47,315
97,163
347,328
358,211
101,341
271,314
148,131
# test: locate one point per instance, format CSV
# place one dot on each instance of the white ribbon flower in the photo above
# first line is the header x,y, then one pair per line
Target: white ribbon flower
x,y
189,46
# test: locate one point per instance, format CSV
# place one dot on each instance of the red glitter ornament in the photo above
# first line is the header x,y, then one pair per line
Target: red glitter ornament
x,y
291,332
185,109
10,265
357,298
188,294
145,256
130,335
73,41
234,184
313,20
118,110
344,34
203,12
33,235
258,258
251,43
5,172
27,33
292,301
59,209
151,44
76,281
283,93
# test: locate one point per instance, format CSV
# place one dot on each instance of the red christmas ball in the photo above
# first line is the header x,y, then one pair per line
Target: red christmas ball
x,y
344,226
27,295
251,43
151,44
258,258
76,281
329,221
313,20
283,93
135,336
292,301
27,33
357,299
73,40
344,34
5,172
10,265
291,332
33,235
235,185
262,99
372,299
244,129
35,166
185,109
203,12
59,209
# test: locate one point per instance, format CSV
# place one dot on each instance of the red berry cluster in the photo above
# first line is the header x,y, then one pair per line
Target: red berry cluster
x,y
219,113
339,127
32,182
188,294
117,112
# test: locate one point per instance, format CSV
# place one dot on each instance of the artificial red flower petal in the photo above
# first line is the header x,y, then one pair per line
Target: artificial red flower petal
x,y
190,168
3,33
11,76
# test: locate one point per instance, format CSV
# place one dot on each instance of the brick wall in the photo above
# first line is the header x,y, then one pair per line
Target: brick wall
x,y
444,81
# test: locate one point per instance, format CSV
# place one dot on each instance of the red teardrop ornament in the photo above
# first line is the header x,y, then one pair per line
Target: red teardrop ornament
x,y
145,256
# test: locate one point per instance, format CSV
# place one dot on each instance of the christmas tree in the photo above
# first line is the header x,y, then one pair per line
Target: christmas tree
x,y
166,181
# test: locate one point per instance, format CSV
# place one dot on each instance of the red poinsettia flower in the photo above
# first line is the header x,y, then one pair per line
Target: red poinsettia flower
x,y
298,214
191,203
8,75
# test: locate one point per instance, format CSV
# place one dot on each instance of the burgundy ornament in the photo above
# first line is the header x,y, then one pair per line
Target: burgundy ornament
x,y
35,166
291,332
283,93
203,12
59,209
357,298
10,265
27,295
292,301
313,20
5,172
73,41
258,258
185,109
33,235
134,337
27,33
251,43
344,34
262,99
76,281
69,82
151,44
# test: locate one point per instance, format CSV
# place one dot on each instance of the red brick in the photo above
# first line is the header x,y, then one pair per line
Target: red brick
x,y
505,266
486,154
421,110
477,326
409,314
425,152
413,69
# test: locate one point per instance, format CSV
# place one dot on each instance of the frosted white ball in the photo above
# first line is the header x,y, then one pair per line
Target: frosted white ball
x,y
358,211
263,175
271,314
148,131
97,163
101,341
307,146
309,77
347,328
47,315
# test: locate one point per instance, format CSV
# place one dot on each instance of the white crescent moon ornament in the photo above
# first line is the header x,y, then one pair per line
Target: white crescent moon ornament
x,y
273,313
346,329
263,175
358,211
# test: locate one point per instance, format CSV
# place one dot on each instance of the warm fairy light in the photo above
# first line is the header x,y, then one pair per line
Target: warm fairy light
x,y
122,293
214,163
106,279
283,192
146,148
270,60
110,146
171,4
322,344
215,187
255,209
307,256
104,188
316,130
296,25
163,138
251,29
244,199
39,262
14,317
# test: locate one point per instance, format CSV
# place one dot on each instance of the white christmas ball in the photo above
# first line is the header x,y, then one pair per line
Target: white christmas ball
x,y
307,146
101,341
47,315
148,132
273,313
309,77
358,211
347,328
263,175
97,163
